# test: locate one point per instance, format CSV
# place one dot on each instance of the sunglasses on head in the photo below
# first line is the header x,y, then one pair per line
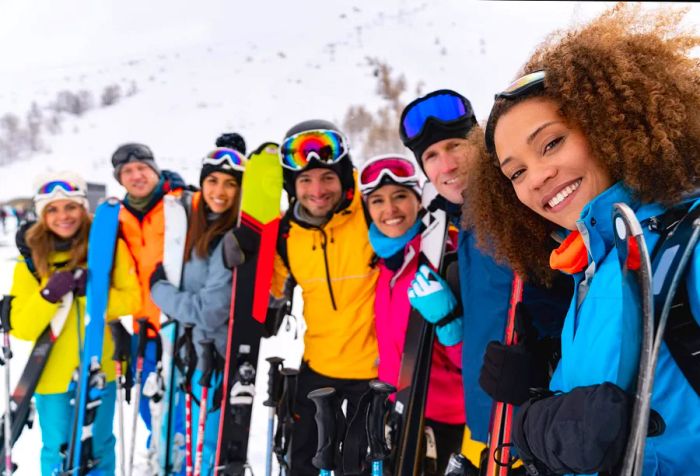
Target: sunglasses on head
x,y
444,106
523,85
217,157
326,146
387,169
131,152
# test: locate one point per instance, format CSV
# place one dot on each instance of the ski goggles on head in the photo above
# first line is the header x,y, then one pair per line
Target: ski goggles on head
x,y
443,106
58,188
388,169
326,146
131,152
523,85
219,157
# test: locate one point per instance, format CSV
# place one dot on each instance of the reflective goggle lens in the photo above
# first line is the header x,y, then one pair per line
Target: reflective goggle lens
x,y
523,85
323,145
399,168
445,107
55,185
216,157
130,152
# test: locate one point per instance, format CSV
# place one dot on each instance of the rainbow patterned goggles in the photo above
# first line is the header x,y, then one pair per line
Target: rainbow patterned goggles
x,y
444,106
224,156
388,169
326,146
523,85
57,188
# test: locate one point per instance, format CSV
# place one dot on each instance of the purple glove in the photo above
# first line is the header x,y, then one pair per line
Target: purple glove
x,y
60,284
80,277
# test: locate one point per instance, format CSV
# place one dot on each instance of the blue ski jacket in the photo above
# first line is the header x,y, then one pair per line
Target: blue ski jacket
x,y
485,288
204,300
596,349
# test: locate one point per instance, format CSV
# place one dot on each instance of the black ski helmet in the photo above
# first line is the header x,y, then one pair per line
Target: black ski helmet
x,y
343,168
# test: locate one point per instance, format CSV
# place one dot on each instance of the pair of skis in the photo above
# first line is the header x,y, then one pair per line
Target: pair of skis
x,y
257,235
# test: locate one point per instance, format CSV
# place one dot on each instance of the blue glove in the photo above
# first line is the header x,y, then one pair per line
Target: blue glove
x,y
450,333
430,295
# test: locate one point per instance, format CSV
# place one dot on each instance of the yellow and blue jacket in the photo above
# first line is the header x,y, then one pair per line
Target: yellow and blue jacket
x,y
31,314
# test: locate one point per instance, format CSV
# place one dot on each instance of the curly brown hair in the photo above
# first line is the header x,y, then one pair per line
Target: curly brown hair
x,y
627,81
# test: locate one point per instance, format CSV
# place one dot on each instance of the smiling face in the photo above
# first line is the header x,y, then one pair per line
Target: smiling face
x,y
64,217
548,161
138,179
445,164
219,191
319,191
394,209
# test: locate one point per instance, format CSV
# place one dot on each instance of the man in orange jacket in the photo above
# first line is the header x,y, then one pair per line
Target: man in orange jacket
x,y
142,226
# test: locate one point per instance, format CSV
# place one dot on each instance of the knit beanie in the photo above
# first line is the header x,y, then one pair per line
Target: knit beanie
x,y
132,152
224,166
53,186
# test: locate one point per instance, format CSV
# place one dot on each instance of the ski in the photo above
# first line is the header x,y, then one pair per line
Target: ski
x,y
414,373
637,301
91,380
497,452
170,448
258,224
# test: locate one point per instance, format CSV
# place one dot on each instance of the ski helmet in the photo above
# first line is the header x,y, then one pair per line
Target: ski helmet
x,y
343,167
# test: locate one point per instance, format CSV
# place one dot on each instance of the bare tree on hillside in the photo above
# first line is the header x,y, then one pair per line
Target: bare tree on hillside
x,y
12,138
35,120
377,133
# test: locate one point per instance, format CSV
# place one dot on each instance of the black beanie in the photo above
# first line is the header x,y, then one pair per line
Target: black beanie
x,y
232,140
343,168
223,167
435,131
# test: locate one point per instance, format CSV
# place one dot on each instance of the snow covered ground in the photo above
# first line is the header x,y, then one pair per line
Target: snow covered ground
x,y
205,67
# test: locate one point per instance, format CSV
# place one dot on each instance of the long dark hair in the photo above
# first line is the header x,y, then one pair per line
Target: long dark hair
x,y
201,233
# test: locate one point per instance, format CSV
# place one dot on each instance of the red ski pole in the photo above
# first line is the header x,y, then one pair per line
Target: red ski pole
x,y
208,364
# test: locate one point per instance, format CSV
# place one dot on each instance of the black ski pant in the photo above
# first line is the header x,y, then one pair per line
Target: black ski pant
x,y
448,440
304,432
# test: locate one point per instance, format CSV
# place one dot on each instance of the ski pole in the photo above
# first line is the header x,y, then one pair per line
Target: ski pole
x,y
327,407
274,393
208,363
121,340
138,381
6,356
187,362
285,418
376,417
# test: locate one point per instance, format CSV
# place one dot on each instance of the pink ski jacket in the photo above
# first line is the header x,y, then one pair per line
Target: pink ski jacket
x,y
445,394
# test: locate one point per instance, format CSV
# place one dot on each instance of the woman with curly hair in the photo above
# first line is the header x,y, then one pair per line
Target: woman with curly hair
x,y
607,112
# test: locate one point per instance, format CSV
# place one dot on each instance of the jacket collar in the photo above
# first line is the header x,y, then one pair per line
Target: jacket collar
x,y
596,225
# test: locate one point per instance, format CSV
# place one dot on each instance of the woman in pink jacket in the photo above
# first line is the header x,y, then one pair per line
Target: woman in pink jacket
x,y
390,187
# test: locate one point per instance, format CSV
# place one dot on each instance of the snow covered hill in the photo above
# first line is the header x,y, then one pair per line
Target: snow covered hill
x,y
205,67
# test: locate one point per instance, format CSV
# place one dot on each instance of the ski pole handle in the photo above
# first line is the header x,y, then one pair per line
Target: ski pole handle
x,y
376,417
326,405
5,306
143,336
274,382
122,341
208,362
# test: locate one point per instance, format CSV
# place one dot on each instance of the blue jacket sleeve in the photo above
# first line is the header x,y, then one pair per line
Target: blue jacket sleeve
x,y
207,307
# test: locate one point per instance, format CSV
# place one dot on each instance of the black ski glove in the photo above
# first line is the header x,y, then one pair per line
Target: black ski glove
x,y
582,431
158,274
509,372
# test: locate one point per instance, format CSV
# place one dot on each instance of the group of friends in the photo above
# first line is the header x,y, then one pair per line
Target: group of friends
x,y
601,113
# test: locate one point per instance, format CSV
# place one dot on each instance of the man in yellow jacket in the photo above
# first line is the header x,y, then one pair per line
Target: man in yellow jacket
x,y
324,246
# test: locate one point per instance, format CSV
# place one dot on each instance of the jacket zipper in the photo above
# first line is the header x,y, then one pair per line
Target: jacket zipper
x,y
324,242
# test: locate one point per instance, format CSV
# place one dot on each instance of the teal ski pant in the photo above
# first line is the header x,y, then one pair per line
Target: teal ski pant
x,y
56,419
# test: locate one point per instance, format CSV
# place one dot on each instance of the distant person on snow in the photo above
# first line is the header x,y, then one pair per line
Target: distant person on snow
x,y
49,285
